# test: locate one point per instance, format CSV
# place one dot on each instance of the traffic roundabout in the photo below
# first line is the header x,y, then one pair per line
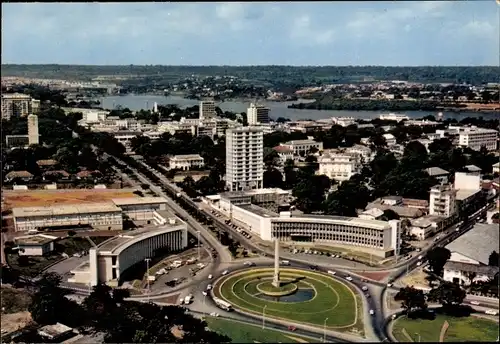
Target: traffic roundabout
x,y
303,296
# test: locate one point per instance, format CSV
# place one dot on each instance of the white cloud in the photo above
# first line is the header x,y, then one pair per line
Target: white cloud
x,y
303,33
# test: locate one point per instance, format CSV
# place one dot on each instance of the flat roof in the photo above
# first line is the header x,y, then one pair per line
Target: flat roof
x,y
477,243
254,192
263,212
138,200
187,156
116,244
32,240
39,198
463,194
65,210
354,221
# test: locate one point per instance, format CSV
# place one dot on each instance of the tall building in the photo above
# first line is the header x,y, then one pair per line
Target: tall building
x,y
244,158
33,130
257,114
207,109
16,105
442,200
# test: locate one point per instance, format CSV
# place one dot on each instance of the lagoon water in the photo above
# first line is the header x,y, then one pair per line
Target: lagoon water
x,y
278,109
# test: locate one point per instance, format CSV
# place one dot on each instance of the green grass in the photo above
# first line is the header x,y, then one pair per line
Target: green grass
x,y
462,329
333,300
240,332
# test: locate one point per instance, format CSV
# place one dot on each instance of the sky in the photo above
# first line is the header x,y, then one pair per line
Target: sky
x,y
389,33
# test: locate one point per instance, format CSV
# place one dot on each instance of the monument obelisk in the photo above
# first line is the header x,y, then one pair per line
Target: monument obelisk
x,y
276,277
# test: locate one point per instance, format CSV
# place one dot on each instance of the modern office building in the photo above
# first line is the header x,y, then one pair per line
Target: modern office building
x,y
244,158
475,138
33,137
257,114
442,200
17,105
108,261
102,215
186,162
339,166
207,109
379,238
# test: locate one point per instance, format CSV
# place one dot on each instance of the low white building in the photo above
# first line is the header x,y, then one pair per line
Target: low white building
x,y
470,255
302,147
393,117
389,139
475,138
344,121
339,166
35,245
186,162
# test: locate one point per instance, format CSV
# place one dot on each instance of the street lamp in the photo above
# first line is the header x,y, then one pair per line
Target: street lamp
x,y
147,275
198,234
419,338
324,330
263,316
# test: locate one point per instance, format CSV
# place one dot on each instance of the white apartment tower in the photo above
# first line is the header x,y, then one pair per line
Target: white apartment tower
x,y
442,200
244,158
33,130
207,109
17,105
257,114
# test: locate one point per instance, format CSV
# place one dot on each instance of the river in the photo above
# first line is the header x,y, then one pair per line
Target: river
x,y
278,109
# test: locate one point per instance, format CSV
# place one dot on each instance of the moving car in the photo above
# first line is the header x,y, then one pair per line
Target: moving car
x,y
364,288
225,272
213,314
292,328
210,276
372,312
349,278
209,287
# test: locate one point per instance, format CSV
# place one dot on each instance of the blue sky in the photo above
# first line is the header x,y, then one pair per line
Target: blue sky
x,y
307,33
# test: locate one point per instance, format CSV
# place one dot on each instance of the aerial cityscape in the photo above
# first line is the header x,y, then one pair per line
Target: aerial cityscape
x,y
264,172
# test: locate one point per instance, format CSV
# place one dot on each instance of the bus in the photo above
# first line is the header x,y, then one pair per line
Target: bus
x,y
222,304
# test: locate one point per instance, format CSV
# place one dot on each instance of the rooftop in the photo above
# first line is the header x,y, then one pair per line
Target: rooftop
x,y
138,200
463,194
354,221
53,331
116,244
477,243
489,271
426,221
436,171
247,193
186,157
65,210
301,142
472,168
37,198
263,212
32,240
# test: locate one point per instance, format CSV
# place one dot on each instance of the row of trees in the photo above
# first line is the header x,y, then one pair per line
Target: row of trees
x,y
106,311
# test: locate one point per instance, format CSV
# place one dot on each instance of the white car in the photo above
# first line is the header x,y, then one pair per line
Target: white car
x,y
213,314
364,288
475,303
210,276
372,312
419,263
204,293
209,287
389,285
349,278
225,272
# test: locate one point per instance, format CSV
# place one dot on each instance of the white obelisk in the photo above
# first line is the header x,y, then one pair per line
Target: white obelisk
x,y
276,277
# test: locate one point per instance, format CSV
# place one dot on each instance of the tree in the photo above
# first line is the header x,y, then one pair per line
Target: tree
x,y
349,197
437,258
49,304
493,259
273,178
411,299
448,294
390,214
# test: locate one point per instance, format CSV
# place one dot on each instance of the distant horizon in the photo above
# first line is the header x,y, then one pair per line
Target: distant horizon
x,y
295,34
241,66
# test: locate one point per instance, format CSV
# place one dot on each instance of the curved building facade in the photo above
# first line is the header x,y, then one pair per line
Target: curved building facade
x,y
110,259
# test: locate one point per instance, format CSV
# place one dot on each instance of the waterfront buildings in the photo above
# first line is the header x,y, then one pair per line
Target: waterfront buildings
x,y
244,158
257,114
394,117
207,109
